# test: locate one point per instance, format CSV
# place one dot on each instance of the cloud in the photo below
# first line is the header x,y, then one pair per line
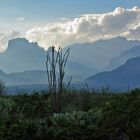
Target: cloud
x,y
20,18
88,28
133,33
4,39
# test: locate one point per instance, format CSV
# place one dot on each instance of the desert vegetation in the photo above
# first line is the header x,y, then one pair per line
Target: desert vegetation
x,y
84,115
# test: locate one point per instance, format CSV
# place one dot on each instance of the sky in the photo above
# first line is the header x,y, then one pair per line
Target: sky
x,y
71,19
42,11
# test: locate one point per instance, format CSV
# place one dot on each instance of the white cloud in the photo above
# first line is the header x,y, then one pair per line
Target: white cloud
x,y
88,28
20,18
4,39
133,33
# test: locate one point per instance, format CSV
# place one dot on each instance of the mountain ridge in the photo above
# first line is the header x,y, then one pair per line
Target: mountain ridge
x,y
125,75
123,57
102,50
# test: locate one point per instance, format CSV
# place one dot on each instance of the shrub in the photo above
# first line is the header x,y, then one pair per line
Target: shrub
x,y
6,105
2,87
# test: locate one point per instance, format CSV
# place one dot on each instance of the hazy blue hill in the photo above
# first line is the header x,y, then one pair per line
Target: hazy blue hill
x,y
8,80
126,75
2,73
24,78
73,67
98,54
22,55
33,77
123,57
28,77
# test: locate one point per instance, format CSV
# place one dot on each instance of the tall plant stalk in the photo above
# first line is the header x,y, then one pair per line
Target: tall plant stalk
x,y
55,66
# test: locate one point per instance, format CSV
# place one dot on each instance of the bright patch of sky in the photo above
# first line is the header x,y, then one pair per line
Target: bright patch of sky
x,y
38,12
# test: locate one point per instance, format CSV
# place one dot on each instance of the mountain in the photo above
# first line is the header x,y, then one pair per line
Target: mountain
x,y
24,78
84,59
33,77
98,54
4,77
2,74
126,75
24,62
22,55
123,57
75,68
28,77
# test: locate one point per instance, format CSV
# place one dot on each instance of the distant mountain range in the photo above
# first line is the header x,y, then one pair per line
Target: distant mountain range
x,y
97,55
126,75
123,57
87,58
24,78
24,56
24,62
33,77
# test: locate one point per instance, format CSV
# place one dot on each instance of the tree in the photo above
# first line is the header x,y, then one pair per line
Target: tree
x,y
55,66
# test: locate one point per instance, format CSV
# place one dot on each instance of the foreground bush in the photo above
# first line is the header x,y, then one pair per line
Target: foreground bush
x,y
110,117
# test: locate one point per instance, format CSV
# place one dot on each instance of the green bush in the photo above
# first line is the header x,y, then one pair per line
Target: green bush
x,y
121,117
108,117
6,106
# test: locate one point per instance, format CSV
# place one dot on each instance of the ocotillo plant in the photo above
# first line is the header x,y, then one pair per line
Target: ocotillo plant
x,y
55,66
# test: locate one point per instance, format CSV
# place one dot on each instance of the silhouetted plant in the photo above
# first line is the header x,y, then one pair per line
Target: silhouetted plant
x,y
55,65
